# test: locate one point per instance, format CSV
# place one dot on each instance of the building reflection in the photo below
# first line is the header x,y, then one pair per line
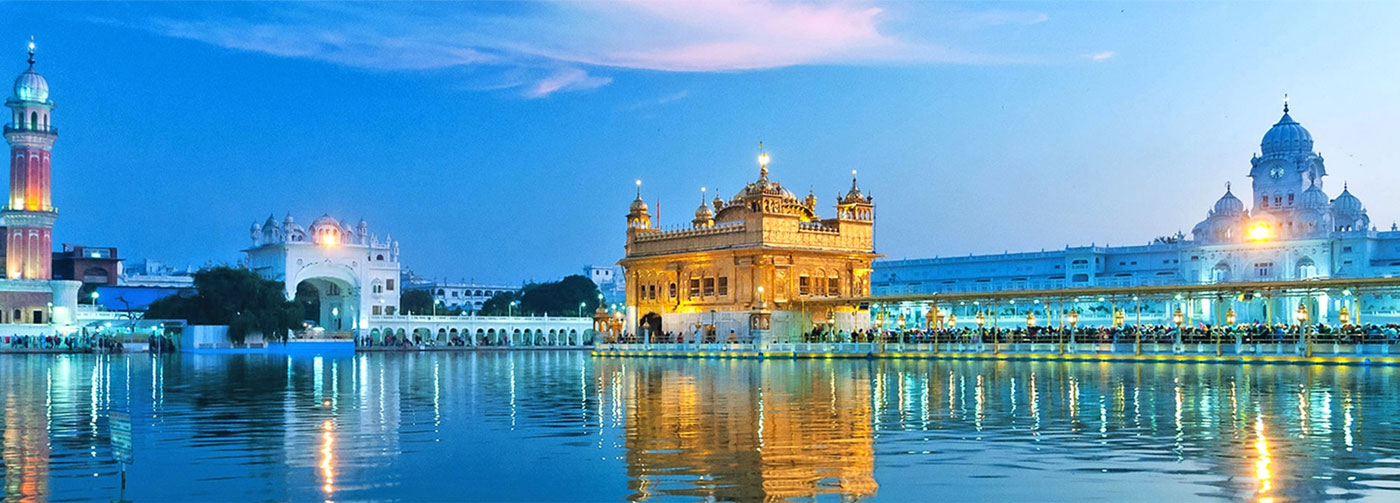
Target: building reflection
x,y
744,430
26,449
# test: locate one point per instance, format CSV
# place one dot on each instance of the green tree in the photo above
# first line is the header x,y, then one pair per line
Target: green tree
x,y
557,298
239,298
416,302
498,305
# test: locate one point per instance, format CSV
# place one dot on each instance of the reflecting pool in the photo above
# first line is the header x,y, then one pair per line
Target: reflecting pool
x,y
564,426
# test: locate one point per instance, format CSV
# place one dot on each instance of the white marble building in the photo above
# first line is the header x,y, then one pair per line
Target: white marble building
x,y
1290,230
341,274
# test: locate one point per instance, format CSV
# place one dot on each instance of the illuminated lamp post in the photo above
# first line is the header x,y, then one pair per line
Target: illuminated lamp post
x,y
1302,315
900,322
1177,318
981,331
952,323
1229,325
1073,319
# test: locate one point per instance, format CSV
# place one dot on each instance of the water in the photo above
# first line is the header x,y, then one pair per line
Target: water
x,y
551,426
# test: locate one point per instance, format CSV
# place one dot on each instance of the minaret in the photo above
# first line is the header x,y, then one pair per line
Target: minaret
x,y
29,214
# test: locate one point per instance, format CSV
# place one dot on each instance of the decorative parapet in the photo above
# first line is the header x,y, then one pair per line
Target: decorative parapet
x,y
664,234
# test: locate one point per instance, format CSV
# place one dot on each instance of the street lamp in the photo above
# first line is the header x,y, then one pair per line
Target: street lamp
x,y
1344,316
94,298
510,308
1073,319
1177,318
580,308
1303,327
981,332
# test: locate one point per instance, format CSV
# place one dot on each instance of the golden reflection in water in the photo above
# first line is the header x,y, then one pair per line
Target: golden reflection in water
x,y
731,434
1262,470
26,439
327,458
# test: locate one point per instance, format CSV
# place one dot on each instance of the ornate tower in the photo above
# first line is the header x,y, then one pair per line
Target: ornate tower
x,y
29,215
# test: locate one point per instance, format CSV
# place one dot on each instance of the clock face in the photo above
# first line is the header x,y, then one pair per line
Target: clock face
x,y
1277,172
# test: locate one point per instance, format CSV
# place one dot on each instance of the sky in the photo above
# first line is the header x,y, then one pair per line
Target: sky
x,y
500,141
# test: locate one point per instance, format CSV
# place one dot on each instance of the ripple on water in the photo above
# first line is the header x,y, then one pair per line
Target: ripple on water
x,y
541,426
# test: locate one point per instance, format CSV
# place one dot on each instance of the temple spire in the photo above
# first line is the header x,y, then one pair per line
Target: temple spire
x,y
1285,103
762,164
31,51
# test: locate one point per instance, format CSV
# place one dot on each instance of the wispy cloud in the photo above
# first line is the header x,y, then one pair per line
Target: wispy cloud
x,y
567,79
1101,56
662,100
556,46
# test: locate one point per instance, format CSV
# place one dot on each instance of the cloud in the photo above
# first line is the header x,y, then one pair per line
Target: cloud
x,y
568,79
548,47
661,100
1101,56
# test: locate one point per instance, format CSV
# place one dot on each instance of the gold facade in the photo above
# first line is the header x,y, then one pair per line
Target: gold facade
x,y
763,253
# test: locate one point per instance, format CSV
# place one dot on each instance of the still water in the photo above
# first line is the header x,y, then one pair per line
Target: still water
x,y
555,426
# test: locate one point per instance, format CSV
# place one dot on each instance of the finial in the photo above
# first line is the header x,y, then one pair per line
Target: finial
x,y
31,51
1227,187
1285,102
702,196
762,163
1344,186
639,188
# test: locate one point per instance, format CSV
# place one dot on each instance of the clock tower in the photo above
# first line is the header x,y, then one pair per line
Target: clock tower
x,y
1286,168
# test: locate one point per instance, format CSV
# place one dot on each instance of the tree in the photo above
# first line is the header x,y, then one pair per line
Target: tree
x,y
239,298
499,304
416,302
557,298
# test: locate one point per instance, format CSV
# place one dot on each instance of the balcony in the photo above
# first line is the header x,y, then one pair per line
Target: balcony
x,y
30,129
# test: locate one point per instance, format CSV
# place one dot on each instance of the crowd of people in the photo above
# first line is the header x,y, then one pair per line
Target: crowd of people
x,y
1247,333
416,340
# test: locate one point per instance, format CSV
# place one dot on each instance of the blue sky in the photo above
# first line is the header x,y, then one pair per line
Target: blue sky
x,y
499,141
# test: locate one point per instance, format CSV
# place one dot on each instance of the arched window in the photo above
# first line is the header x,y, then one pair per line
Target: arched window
x,y
33,120
1221,273
1306,268
379,257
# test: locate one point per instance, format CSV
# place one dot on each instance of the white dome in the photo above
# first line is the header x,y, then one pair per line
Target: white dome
x,y
1347,203
1314,197
1229,204
30,86
1286,136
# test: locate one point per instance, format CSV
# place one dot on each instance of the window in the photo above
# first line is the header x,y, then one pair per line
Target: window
x,y
389,310
709,287
804,285
1290,199
672,291
1263,269
376,310
694,287
833,286
1278,200
377,288
723,286
389,285
651,292
1346,249
1264,201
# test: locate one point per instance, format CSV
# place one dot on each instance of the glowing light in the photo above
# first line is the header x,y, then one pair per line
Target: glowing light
x,y
1259,232
327,456
763,159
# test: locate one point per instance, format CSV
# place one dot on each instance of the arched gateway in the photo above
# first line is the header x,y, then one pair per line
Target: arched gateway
x,y
339,275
